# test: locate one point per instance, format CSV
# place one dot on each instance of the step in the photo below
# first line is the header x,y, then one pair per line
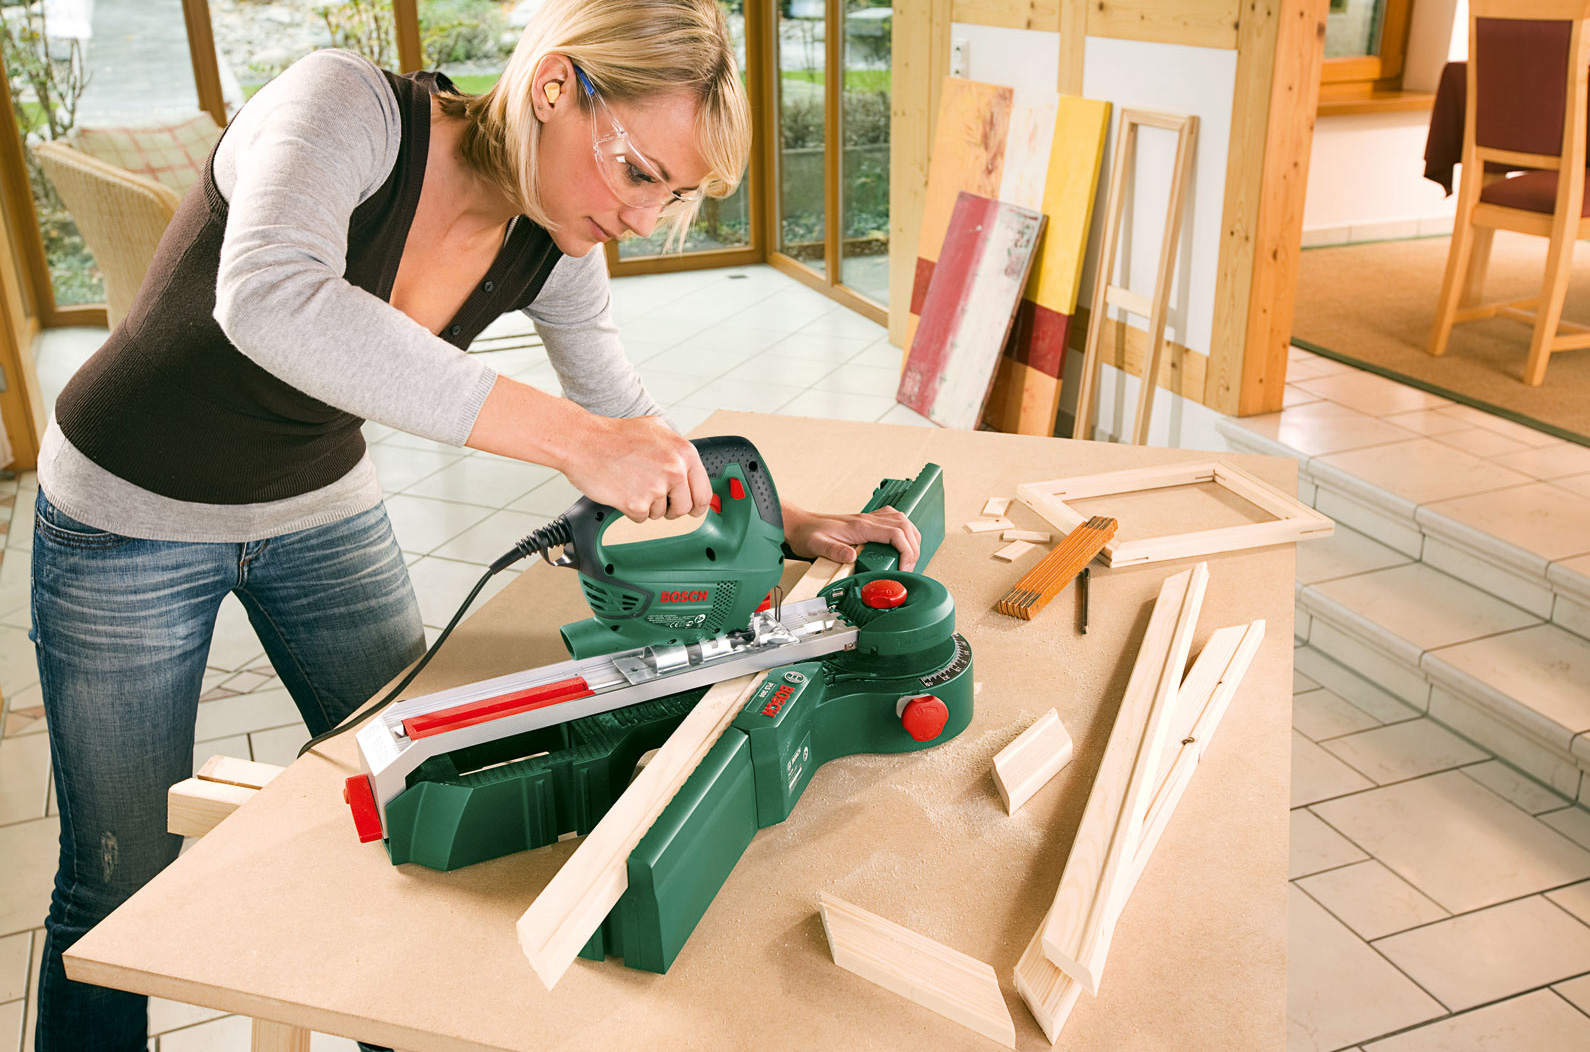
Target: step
x,y
1525,543
1496,673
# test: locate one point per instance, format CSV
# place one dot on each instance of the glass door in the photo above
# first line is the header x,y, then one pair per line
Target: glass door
x,y
831,111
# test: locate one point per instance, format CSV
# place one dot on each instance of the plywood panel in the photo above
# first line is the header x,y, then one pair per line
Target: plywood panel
x,y
968,308
1197,23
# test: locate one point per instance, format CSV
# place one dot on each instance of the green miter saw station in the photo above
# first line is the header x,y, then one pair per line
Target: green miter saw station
x,y
871,664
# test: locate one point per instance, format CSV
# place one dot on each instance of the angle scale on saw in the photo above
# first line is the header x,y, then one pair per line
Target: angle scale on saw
x,y
872,664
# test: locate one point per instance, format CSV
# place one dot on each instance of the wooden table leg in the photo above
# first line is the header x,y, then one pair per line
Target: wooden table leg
x,y
279,1037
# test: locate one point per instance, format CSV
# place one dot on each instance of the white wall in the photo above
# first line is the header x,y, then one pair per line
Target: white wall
x,y
1366,174
1170,77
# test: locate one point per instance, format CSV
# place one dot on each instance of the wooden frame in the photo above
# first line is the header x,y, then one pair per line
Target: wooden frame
x,y
1205,693
1106,294
1295,521
917,968
1081,922
1476,220
572,905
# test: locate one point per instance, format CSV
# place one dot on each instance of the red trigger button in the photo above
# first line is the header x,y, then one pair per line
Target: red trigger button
x,y
736,491
717,504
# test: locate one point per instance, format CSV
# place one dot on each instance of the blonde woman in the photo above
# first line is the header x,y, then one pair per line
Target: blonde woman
x,y
354,232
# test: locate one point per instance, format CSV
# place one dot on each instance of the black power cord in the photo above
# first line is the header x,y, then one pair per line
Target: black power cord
x,y
554,534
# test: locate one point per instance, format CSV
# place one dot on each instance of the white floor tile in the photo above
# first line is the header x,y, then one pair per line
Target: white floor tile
x,y
552,498
1424,606
1577,993
441,584
1516,786
1575,898
1404,750
1371,899
423,524
835,405
822,347
1339,991
1457,841
692,359
31,850
401,466
1493,953
483,479
1535,1022
846,323
666,386
743,395
773,367
1343,554
232,1033
24,777
904,414
279,746
1571,822
1315,846
167,1015
242,713
492,537
1317,775
234,645
19,662
861,379
1322,714
231,745
15,951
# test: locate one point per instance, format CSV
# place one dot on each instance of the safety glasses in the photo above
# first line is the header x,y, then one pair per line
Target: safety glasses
x,y
633,178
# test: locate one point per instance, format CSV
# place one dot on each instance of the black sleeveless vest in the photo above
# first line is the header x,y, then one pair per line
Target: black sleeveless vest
x,y
169,404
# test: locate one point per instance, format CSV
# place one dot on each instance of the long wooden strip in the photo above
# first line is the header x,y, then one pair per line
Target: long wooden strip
x,y
1077,934
1057,569
1026,764
1050,993
571,907
928,973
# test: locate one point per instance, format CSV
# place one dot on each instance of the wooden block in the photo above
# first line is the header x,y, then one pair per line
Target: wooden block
x,y
1050,993
1026,764
971,302
928,973
233,771
572,905
1014,550
994,507
988,525
1056,570
1035,536
194,807
1076,936
270,1036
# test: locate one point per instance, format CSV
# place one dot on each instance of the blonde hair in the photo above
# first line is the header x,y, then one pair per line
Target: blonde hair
x,y
630,50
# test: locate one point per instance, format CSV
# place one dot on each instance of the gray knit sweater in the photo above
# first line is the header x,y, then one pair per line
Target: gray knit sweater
x,y
297,160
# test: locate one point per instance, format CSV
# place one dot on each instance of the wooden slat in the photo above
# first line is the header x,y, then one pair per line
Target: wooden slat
x,y
572,905
1034,536
231,770
1026,764
1136,302
194,807
1050,993
1130,480
278,1037
1278,232
1008,14
1182,370
1077,934
917,968
1073,45
1014,550
1198,23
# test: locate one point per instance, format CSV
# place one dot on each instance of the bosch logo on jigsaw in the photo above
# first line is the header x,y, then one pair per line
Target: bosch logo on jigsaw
x,y
776,702
699,596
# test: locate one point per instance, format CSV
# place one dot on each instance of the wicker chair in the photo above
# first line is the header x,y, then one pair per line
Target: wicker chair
x,y
120,215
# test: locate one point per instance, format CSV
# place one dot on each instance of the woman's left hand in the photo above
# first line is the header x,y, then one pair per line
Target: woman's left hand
x,y
837,537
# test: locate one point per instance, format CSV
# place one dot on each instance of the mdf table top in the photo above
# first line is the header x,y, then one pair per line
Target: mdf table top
x,y
280,912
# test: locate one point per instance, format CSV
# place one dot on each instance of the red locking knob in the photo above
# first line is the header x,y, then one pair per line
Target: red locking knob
x,y
360,796
923,716
883,594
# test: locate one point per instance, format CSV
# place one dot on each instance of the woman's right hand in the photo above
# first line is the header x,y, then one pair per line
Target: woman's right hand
x,y
641,467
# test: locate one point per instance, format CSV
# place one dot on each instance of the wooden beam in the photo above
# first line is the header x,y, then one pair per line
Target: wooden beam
x,y
194,806
1026,764
1050,993
1008,14
232,771
1077,933
1198,23
201,52
928,973
1278,234
572,905
1073,45
270,1036
406,27
920,58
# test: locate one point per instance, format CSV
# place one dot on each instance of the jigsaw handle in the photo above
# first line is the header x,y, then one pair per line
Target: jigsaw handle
x,y
588,520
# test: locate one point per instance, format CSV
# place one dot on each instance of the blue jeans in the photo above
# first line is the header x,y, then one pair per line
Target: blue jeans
x,y
123,627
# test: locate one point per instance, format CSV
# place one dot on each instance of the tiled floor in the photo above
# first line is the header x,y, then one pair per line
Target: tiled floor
x,y
1440,900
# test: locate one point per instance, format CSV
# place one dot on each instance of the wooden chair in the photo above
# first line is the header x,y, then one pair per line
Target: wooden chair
x,y
1528,82
120,215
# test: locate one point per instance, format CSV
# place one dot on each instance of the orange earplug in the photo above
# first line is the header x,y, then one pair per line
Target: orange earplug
x,y
553,90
